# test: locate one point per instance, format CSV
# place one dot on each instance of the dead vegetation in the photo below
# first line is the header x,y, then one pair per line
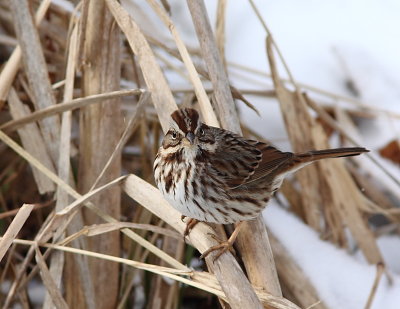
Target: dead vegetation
x,y
70,127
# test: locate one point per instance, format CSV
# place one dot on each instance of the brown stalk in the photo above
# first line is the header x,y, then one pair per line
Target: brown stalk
x,y
98,229
253,240
100,129
204,281
329,120
361,108
36,71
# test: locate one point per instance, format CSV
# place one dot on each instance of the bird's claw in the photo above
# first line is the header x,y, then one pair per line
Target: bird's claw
x,y
223,247
189,226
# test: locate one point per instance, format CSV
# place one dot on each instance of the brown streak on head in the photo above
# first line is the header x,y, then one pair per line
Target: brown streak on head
x,y
187,119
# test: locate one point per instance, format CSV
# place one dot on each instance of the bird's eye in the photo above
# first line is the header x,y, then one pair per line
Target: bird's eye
x,y
174,135
202,132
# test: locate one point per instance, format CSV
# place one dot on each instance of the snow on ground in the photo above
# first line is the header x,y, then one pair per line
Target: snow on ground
x,y
390,248
341,280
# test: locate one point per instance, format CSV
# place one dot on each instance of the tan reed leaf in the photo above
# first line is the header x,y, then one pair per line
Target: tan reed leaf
x,y
98,229
14,228
48,281
32,141
71,105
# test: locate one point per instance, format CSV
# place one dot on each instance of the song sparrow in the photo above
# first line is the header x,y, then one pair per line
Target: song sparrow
x,y
213,175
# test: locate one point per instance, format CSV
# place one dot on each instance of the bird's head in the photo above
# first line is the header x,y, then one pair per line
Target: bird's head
x,y
188,132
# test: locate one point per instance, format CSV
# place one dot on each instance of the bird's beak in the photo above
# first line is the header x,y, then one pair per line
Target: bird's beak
x,y
190,137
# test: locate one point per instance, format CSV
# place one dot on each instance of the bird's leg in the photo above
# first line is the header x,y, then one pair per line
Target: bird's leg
x,y
223,246
189,225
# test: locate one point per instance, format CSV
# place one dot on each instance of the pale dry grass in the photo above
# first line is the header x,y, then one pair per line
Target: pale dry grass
x,y
70,63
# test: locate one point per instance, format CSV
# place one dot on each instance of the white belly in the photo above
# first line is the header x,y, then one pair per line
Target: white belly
x,y
180,195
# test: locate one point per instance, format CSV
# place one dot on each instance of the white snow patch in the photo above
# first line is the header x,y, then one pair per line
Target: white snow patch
x,y
390,248
65,4
340,279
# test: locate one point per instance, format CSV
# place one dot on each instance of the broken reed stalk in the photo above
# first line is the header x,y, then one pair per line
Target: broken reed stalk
x,y
253,240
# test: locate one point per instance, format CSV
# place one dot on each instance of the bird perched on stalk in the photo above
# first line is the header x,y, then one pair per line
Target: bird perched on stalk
x,y
214,175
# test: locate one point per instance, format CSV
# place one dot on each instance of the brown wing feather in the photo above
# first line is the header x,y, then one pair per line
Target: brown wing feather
x,y
235,160
271,160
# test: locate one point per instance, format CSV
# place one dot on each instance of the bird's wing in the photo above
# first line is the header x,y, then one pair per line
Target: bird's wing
x,y
271,162
234,160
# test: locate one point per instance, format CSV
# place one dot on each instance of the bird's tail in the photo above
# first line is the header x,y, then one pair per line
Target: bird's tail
x,y
330,153
299,160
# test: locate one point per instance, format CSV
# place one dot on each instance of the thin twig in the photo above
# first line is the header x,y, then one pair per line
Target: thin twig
x,y
380,268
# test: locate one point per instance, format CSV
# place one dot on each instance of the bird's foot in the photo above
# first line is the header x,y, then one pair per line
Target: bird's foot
x,y
189,225
223,246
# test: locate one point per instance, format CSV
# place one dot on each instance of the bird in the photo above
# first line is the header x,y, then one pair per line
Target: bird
x,y
214,175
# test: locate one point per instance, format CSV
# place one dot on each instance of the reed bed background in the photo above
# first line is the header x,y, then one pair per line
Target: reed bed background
x,y
84,99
